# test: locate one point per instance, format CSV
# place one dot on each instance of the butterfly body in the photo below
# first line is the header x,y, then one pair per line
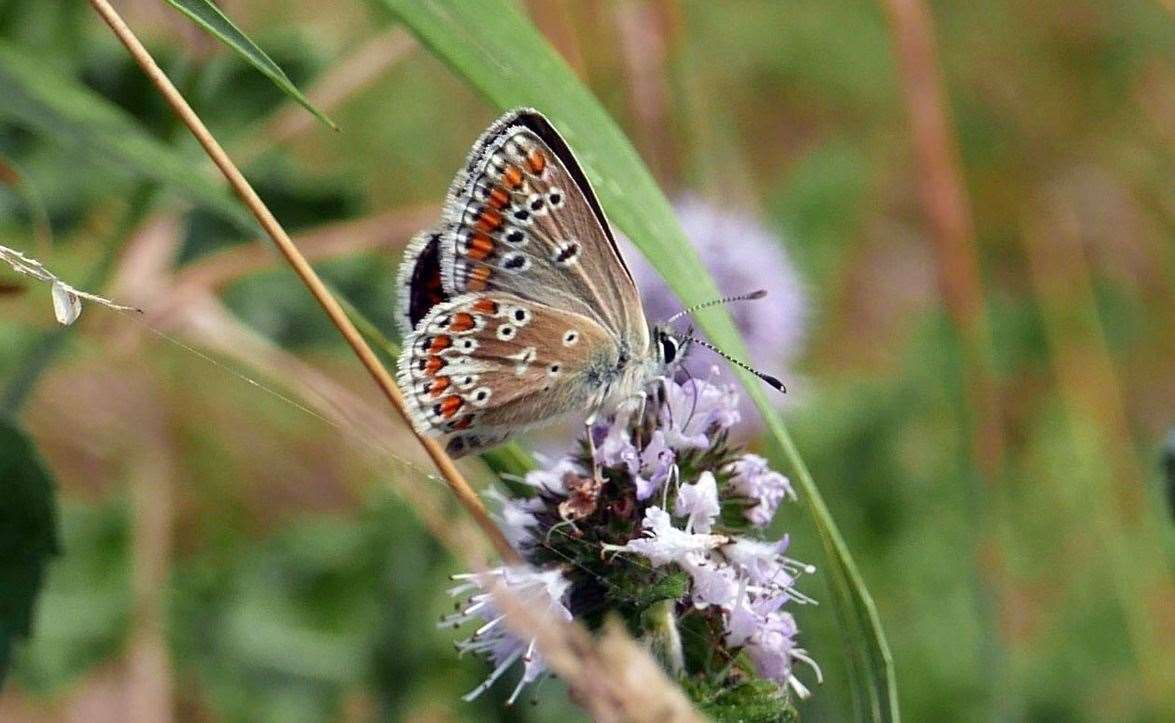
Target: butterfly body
x,y
518,307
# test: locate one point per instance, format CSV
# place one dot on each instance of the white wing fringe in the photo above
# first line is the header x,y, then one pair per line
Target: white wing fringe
x,y
67,304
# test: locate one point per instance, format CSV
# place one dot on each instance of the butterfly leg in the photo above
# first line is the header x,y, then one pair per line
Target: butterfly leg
x,y
643,397
588,423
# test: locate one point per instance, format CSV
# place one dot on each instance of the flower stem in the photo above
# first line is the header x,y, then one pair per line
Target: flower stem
x,y
663,636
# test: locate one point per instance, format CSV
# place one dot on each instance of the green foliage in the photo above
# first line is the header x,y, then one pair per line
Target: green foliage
x,y
500,52
752,701
84,123
214,21
85,608
641,594
28,536
1002,602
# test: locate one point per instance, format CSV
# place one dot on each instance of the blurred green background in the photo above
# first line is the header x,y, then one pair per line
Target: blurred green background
x,y
984,393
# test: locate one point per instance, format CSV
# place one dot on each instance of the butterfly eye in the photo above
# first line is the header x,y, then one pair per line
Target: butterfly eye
x,y
668,348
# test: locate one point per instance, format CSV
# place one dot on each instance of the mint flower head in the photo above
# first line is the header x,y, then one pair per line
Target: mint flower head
x,y
661,529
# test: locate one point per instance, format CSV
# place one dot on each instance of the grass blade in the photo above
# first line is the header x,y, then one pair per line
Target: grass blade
x,y
86,123
496,49
209,17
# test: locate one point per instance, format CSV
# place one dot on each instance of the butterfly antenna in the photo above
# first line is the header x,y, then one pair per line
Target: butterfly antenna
x,y
742,365
752,296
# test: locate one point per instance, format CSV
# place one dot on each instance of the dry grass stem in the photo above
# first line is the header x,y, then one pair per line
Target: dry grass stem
x,y
67,305
390,229
151,680
457,483
948,214
613,678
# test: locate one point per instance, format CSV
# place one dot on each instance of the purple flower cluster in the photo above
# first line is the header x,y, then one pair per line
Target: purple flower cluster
x,y
663,514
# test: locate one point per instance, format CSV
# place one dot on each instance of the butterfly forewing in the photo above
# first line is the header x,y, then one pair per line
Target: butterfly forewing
x,y
492,362
418,283
522,219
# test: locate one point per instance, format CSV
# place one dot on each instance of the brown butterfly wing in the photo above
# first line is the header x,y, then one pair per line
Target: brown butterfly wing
x,y
482,365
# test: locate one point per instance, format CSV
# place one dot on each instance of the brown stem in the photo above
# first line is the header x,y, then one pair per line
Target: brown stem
x,y
457,483
948,215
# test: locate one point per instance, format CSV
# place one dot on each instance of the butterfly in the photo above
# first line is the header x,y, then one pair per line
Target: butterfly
x,y
518,307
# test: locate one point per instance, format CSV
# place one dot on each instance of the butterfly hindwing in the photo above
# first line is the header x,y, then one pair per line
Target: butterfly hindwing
x,y
481,365
521,218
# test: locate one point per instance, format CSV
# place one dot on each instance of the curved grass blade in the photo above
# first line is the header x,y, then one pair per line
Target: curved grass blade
x,y
497,50
88,124
208,16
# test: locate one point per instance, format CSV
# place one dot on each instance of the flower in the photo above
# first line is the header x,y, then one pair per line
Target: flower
x,y
694,409
669,562
663,543
533,588
659,458
700,502
766,568
754,480
768,636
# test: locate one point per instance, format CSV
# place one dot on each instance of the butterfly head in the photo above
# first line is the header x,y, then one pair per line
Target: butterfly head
x,y
671,346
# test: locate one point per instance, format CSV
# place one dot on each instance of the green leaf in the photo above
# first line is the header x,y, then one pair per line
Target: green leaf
x,y
500,52
28,535
207,15
88,124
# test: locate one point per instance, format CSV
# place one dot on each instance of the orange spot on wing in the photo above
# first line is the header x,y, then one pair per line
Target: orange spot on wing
x,y
464,422
461,322
439,343
438,385
512,176
433,364
480,246
486,306
448,406
478,277
499,197
488,220
537,160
